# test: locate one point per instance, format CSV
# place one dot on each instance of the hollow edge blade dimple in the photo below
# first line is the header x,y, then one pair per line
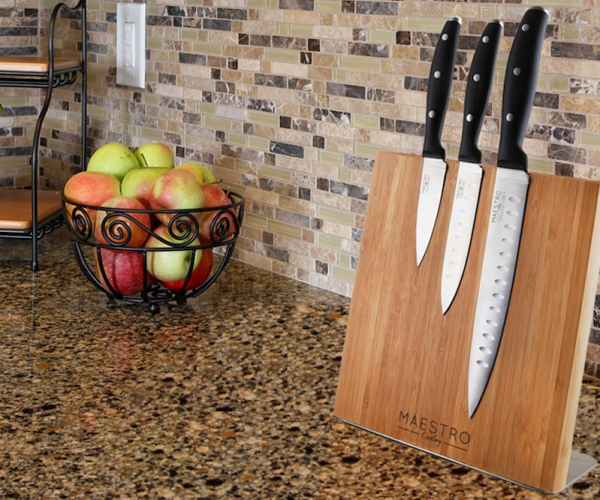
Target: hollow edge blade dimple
x,y
460,230
430,196
497,276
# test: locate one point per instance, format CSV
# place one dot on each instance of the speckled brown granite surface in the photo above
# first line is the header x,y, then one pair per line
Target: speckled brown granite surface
x,y
229,396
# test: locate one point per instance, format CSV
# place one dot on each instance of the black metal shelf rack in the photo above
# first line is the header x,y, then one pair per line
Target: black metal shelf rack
x,y
43,73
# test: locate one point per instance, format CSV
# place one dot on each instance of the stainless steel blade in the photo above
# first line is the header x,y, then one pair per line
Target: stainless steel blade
x,y
430,195
497,274
462,219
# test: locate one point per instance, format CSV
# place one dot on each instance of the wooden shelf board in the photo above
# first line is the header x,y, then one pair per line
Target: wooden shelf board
x,y
35,64
15,208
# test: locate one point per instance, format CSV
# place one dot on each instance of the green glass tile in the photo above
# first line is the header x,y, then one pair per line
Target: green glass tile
x,y
151,77
9,102
263,118
151,99
14,161
257,4
305,30
327,240
281,55
430,25
382,36
273,4
344,260
258,143
331,157
553,2
153,10
343,274
283,28
571,33
285,202
285,229
559,84
329,6
345,175
452,151
340,75
97,111
206,108
152,134
369,151
537,165
487,12
154,44
188,34
255,220
590,139
366,121
369,64
237,139
274,173
208,48
334,215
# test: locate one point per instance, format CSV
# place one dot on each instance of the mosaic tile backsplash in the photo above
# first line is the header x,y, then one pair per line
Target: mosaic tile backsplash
x,y
288,101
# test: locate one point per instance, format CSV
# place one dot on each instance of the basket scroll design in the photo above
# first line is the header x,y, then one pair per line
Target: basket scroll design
x,y
186,229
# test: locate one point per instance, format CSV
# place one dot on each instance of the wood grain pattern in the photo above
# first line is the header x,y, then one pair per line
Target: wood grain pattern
x,y
35,64
15,207
405,365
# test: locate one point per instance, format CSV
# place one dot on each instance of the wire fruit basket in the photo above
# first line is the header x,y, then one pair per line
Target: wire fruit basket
x,y
173,263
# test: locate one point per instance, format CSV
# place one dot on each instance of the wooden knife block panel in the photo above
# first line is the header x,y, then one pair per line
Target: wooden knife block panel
x,y
405,365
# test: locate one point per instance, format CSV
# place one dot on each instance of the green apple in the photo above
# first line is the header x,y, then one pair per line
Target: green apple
x,y
137,183
200,173
155,154
176,190
113,158
170,265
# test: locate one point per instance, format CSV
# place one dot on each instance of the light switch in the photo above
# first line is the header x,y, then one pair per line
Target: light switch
x,y
131,44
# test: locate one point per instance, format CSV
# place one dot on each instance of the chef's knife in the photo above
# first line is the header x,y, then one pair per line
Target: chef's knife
x,y
468,182
434,166
508,203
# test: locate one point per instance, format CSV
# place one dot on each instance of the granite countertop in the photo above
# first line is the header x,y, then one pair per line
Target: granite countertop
x,y
228,396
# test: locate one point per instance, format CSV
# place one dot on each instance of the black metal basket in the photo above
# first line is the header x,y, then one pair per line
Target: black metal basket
x,y
183,228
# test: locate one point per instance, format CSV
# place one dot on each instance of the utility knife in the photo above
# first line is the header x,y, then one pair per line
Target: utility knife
x,y
434,166
468,182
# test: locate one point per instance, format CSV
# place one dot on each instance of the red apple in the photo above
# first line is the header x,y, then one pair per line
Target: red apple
x,y
199,275
124,270
176,190
91,188
216,197
167,264
113,158
200,173
155,154
136,233
137,183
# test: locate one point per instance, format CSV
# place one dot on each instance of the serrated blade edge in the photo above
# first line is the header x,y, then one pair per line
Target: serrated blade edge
x,y
430,196
497,275
460,230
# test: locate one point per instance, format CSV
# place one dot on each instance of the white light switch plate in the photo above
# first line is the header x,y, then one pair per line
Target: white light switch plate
x,y
131,44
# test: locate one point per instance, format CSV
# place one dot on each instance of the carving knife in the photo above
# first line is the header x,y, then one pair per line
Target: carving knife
x,y
468,182
434,166
508,203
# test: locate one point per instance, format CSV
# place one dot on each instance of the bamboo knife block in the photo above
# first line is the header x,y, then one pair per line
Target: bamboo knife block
x,y
405,366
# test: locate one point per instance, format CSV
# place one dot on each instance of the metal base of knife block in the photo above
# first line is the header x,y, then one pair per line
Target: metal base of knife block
x,y
404,372
579,465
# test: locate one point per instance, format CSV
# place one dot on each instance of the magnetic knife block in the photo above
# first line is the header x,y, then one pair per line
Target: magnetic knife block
x,y
404,372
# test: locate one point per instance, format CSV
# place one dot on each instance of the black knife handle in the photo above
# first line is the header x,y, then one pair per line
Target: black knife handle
x,y
519,87
479,86
440,83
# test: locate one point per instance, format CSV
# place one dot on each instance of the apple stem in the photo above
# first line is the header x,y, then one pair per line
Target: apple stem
x,y
144,158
